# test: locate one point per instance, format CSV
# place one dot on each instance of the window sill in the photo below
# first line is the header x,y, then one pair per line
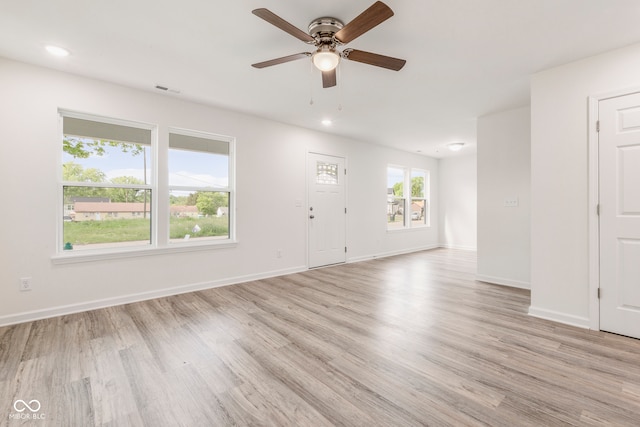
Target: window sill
x,y
408,229
121,253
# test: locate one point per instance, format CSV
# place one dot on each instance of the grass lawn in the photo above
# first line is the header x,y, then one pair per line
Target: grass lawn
x,y
209,227
139,230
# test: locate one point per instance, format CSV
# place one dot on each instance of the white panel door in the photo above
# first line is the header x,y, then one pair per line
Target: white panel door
x,y
327,210
619,182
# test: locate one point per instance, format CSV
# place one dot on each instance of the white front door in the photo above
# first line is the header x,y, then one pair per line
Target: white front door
x,y
326,210
619,182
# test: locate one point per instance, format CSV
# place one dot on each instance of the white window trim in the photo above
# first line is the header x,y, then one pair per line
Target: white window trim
x,y
230,188
159,241
408,226
140,251
427,185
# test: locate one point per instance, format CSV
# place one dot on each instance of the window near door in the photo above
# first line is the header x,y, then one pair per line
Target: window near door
x,y
199,186
395,198
407,198
106,184
418,209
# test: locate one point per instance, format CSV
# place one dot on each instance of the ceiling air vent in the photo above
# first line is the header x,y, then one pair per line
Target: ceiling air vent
x,y
164,88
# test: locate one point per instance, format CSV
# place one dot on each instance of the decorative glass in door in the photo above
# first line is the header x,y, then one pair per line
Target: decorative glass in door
x,y
326,173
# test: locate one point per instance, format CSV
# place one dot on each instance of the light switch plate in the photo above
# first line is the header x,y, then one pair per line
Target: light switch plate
x,y
511,202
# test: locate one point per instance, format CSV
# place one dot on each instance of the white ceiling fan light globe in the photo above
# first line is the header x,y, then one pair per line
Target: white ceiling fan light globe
x,y
325,59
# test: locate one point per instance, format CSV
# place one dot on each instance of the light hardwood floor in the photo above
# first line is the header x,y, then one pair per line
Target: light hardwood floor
x,y
406,340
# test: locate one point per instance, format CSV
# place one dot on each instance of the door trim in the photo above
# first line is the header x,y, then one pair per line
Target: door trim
x,y
306,211
594,198
594,225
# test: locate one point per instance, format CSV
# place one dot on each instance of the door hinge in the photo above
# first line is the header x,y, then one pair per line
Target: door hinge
x,y
345,171
345,249
598,209
598,126
598,293
345,210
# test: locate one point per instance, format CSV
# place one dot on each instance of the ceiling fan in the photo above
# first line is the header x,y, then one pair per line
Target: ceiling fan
x,y
326,34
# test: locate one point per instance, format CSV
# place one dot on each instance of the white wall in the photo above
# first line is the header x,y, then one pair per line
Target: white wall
x,y
458,202
267,216
504,143
559,162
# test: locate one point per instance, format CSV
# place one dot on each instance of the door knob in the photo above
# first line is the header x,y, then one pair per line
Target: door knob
x,y
311,216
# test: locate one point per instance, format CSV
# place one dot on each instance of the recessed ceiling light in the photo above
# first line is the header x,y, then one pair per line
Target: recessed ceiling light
x,y
327,122
456,146
57,50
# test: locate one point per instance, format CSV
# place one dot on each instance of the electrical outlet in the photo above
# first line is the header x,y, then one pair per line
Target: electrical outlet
x,y
25,284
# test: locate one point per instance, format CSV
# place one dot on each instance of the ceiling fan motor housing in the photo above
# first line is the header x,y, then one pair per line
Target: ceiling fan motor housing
x,y
323,29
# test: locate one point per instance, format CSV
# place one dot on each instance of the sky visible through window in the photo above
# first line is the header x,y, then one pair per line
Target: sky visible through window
x,y
186,168
192,168
394,175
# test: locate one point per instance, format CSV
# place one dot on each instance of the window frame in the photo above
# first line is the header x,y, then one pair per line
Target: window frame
x,y
230,188
159,205
426,221
408,200
394,197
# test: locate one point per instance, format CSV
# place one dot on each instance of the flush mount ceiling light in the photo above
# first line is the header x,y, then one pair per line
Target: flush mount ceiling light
x,y
327,122
456,146
57,50
325,58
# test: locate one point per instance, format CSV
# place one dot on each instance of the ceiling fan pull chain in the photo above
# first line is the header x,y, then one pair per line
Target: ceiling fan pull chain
x,y
326,34
311,83
339,70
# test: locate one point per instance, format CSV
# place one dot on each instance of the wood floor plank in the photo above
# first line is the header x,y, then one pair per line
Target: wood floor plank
x,y
405,340
112,398
13,341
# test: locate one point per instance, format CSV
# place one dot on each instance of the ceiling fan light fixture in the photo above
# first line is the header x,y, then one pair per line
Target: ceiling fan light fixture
x,y
456,146
325,59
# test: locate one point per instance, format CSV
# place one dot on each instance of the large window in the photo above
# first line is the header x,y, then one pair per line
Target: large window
x,y
407,198
199,190
106,184
113,197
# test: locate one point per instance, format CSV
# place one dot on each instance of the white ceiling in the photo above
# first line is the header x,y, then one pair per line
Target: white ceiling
x,y
465,58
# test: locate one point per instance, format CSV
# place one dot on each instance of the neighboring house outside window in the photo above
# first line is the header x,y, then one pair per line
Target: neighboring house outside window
x,y
199,177
109,186
106,168
407,211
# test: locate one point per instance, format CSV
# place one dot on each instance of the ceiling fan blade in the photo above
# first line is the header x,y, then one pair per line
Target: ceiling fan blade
x,y
282,60
329,78
387,62
374,15
274,19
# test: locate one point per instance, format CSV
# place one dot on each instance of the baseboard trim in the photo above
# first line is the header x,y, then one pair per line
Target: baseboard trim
x,y
503,281
391,253
29,316
556,316
461,247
